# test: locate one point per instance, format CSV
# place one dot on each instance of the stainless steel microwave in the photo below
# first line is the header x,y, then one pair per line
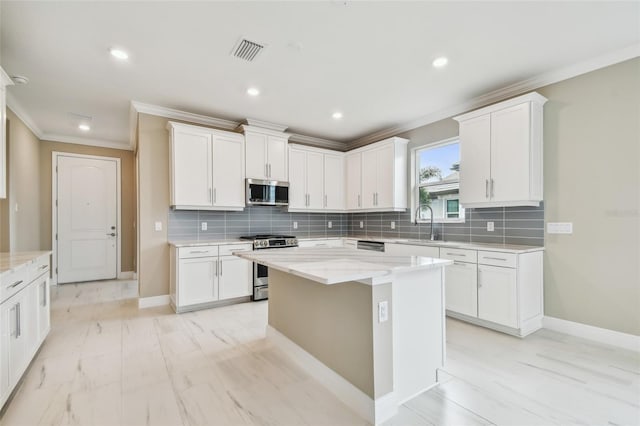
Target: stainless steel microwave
x,y
267,193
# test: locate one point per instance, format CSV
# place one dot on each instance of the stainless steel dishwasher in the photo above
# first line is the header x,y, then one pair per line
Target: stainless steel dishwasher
x,y
371,245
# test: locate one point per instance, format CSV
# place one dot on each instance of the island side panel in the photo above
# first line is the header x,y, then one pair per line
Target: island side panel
x,y
331,322
382,340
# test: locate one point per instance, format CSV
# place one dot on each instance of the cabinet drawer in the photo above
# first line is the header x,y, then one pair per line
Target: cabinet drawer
x,y
202,251
497,259
39,267
232,248
13,282
461,255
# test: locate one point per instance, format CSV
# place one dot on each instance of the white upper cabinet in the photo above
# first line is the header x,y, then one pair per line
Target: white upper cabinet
x,y
5,81
334,182
207,168
501,154
266,154
354,180
383,176
316,179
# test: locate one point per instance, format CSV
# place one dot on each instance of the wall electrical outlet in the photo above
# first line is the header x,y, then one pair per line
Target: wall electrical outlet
x,y
329,225
490,226
203,226
361,224
393,225
383,311
158,226
295,225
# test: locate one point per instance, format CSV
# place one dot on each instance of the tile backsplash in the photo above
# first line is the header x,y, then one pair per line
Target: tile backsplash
x,y
513,225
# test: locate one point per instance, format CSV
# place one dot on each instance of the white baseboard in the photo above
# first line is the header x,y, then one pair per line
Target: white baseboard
x,y
375,412
600,335
150,302
126,275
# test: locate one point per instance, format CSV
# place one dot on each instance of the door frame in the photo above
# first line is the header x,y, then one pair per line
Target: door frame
x,y
54,210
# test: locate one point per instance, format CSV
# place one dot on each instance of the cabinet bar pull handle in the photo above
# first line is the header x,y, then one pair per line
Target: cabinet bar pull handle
x,y
44,293
269,169
18,325
215,195
325,200
209,194
44,266
221,267
456,254
358,200
496,258
17,283
486,188
374,198
492,188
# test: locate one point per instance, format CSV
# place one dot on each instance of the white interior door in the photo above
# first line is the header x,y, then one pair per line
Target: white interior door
x,y
86,219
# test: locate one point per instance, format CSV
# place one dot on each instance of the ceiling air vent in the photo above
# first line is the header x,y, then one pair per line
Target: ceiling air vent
x,y
247,49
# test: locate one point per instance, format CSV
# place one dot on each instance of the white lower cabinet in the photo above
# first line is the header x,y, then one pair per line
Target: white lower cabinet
x,y
336,242
461,288
411,250
24,320
497,295
205,276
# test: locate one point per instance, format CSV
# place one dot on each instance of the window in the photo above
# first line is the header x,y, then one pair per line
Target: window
x,y
437,169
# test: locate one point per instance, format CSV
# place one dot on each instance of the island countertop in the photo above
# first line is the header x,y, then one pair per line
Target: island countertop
x,y
12,261
337,265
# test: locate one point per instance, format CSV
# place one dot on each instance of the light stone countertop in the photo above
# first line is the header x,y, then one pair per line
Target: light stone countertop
x,y
504,248
200,243
12,261
336,265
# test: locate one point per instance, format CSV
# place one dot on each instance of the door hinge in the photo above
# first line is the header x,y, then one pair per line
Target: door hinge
x,y
56,203
56,169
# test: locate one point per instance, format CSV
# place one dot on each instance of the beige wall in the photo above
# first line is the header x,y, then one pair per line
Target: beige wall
x,y
592,178
23,188
128,193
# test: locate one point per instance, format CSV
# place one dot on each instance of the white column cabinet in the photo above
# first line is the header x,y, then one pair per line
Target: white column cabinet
x,y
207,276
267,154
501,153
369,178
207,168
354,180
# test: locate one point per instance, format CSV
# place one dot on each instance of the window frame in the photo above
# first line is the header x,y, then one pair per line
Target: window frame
x,y
415,183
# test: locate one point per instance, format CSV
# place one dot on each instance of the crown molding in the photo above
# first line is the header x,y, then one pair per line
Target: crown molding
x,y
17,109
317,142
175,114
518,88
101,143
266,125
5,80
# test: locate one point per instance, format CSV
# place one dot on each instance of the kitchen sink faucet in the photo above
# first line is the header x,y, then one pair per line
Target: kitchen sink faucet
x,y
418,215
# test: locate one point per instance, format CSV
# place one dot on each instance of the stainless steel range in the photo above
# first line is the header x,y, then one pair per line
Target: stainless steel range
x,y
260,272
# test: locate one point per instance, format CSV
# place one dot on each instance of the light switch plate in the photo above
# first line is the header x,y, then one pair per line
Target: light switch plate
x,y
560,228
203,226
158,226
490,226
295,225
383,311
329,225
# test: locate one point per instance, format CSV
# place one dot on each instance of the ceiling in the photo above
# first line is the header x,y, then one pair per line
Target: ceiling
x,y
369,60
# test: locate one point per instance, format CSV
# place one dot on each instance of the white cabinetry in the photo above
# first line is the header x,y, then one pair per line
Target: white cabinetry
x,y
395,249
266,154
354,180
501,153
335,242
383,176
24,320
207,276
5,81
207,168
316,179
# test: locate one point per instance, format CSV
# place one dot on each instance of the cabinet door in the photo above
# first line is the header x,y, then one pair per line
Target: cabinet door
x,y
369,178
235,277
29,322
16,342
197,281
277,158
385,176
315,180
44,310
5,331
334,181
497,295
510,166
256,156
354,181
228,171
298,179
191,168
461,288
475,159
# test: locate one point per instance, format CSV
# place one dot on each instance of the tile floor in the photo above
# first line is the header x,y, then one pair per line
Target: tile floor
x,y
108,363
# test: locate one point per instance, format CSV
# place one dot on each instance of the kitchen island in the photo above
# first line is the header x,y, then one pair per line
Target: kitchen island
x,y
368,325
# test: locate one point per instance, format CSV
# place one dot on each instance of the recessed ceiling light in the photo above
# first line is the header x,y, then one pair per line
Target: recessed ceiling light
x,y
440,62
84,127
252,91
336,115
119,54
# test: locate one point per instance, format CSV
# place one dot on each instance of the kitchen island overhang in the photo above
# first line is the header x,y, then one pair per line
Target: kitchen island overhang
x,y
327,311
